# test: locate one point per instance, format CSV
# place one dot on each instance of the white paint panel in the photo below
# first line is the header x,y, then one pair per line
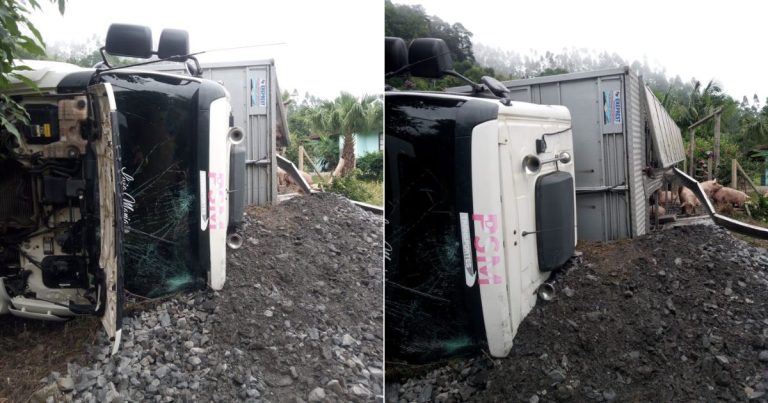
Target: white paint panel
x,y
218,191
489,238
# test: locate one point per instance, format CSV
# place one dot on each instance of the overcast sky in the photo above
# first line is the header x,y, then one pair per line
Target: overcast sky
x,y
331,45
723,40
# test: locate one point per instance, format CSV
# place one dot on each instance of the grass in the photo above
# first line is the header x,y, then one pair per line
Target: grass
x,y
376,189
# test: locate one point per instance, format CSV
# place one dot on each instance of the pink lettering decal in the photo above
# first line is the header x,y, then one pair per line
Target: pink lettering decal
x,y
489,224
494,242
480,248
488,249
216,195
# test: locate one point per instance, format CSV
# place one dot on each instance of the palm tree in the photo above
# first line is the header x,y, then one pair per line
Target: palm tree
x,y
702,101
345,116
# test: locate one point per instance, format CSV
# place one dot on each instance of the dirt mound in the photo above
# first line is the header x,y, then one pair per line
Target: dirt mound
x,y
679,315
300,318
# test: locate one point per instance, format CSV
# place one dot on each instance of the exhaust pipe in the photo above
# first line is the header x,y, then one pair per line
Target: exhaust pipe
x,y
546,291
234,240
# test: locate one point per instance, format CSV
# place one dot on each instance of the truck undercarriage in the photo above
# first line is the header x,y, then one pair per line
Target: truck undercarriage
x,y
49,215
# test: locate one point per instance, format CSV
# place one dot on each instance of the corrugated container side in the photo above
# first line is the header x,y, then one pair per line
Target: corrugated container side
x,y
668,143
637,136
260,120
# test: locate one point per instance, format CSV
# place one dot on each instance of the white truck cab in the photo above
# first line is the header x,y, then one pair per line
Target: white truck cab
x,y
120,180
480,209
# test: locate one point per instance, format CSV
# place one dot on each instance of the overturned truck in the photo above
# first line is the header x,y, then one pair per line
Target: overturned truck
x,y
489,185
121,180
623,140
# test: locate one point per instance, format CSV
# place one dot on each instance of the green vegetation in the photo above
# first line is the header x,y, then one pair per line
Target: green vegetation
x,y
758,207
354,187
371,166
744,123
345,116
317,124
18,38
409,22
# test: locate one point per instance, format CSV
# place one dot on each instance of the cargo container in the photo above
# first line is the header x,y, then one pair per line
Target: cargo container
x,y
623,140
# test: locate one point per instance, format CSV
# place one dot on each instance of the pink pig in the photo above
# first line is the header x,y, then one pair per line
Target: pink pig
x,y
666,196
689,201
730,196
661,211
710,187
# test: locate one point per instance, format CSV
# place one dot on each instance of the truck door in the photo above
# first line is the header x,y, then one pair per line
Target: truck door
x,y
106,144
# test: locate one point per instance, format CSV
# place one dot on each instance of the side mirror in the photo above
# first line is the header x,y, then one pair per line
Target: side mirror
x,y
429,58
129,41
395,54
173,42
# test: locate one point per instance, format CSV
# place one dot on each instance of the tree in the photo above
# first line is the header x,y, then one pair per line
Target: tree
x,y
18,37
404,21
410,22
345,116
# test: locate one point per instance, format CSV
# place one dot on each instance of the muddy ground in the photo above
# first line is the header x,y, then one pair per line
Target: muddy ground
x,y
299,319
679,315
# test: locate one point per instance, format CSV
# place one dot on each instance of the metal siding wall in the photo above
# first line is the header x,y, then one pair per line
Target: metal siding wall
x,y
580,98
549,94
260,143
612,119
521,94
636,135
590,216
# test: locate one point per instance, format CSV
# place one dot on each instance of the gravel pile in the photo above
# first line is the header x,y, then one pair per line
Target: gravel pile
x,y
679,315
300,319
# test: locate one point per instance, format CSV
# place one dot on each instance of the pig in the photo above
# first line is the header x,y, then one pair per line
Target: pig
x,y
688,200
730,196
652,210
282,177
307,177
665,196
710,187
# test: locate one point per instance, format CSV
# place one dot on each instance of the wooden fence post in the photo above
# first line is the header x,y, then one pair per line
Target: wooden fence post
x,y
692,137
734,174
301,158
716,144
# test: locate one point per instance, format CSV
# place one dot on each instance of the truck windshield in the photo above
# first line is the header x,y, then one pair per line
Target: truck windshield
x,y
430,312
158,116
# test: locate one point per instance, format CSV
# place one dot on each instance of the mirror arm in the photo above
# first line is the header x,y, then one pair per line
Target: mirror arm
x,y
104,57
198,70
